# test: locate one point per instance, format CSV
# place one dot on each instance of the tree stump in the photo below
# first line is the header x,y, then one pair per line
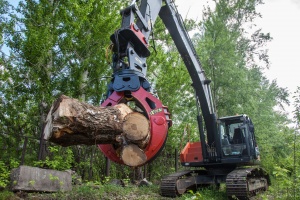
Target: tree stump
x,y
71,122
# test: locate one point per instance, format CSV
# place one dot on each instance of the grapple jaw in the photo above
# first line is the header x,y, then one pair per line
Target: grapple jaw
x,y
157,114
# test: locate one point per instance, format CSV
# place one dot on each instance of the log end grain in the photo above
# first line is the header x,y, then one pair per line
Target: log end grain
x,y
133,156
136,126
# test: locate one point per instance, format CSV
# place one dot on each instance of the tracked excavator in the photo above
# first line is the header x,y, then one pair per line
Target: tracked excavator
x,y
227,151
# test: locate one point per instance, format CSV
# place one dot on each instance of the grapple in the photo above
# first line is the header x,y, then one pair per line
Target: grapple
x,y
157,114
129,84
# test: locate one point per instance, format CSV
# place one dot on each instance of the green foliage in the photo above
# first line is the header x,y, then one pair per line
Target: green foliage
x,y
282,176
107,191
5,168
195,195
55,47
4,175
285,153
103,192
6,195
297,106
59,47
209,193
227,51
61,159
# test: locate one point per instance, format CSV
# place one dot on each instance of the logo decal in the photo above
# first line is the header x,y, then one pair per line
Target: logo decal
x,y
153,112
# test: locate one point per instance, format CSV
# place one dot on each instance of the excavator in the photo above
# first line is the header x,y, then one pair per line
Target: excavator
x,y
227,151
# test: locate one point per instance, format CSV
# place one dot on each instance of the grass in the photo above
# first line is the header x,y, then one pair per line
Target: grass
x,y
96,191
6,195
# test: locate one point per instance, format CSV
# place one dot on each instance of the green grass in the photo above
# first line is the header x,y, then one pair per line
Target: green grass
x,y
6,195
97,191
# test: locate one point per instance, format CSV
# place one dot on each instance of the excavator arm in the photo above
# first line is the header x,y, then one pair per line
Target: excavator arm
x,y
200,83
130,46
222,150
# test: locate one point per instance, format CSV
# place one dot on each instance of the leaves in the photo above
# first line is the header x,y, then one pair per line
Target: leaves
x,y
55,47
4,177
61,159
297,106
59,47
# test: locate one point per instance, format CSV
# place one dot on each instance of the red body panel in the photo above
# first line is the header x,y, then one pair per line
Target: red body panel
x,y
192,152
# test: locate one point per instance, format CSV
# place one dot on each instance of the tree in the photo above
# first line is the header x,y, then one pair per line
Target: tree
x,y
56,47
296,145
59,47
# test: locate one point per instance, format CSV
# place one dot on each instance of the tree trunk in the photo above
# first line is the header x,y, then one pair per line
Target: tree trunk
x,y
71,122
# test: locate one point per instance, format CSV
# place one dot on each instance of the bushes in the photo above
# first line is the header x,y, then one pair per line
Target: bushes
x,y
5,172
4,175
61,159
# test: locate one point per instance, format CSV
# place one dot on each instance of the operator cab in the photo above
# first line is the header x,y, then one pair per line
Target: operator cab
x,y
237,137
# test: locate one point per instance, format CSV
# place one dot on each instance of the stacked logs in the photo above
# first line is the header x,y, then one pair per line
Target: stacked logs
x,y
71,122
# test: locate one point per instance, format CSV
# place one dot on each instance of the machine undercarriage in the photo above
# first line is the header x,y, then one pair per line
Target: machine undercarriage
x,y
241,183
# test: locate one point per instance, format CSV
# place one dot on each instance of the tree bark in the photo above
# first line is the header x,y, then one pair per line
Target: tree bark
x,y
71,122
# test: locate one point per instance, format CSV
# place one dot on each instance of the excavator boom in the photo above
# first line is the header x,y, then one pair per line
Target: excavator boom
x,y
227,144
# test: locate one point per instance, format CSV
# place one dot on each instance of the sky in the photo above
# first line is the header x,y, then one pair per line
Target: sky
x,y
281,19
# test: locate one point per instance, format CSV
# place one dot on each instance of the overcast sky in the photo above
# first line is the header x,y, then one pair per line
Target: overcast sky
x,y
281,18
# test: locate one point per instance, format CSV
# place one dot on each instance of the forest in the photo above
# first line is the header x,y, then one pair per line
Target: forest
x,y
54,47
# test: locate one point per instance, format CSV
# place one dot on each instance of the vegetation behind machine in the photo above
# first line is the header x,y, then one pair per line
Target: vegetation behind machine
x,y
45,62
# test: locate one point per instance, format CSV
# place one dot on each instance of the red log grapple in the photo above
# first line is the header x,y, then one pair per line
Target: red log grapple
x,y
157,114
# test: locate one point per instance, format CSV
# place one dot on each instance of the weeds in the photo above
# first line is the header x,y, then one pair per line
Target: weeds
x,y
6,195
106,191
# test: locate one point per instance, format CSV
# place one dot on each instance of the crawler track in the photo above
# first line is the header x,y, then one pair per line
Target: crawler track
x,y
168,187
241,183
246,182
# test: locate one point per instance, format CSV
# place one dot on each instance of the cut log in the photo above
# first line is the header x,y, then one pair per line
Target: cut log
x,y
132,155
71,122
136,129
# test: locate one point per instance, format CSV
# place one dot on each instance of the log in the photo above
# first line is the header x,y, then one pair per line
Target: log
x,y
136,129
133,156
71,122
